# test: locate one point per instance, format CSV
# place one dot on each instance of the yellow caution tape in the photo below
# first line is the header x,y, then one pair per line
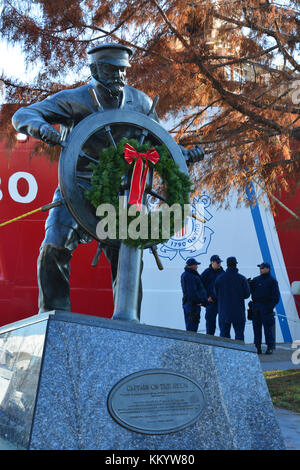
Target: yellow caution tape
x,y
20,217
43,208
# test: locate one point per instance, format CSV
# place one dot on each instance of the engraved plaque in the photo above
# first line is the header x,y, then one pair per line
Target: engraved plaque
x,y
156,401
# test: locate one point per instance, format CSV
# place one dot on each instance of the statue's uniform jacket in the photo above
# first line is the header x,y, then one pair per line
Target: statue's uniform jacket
x,y
68,108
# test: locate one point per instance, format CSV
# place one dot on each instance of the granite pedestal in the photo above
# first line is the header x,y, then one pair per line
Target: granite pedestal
x,y
68,380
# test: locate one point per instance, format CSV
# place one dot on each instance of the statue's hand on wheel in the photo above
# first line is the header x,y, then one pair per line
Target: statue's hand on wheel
x,y
49,135
193,155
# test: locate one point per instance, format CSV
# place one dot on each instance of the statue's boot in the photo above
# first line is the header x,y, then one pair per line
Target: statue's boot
x,y
53,268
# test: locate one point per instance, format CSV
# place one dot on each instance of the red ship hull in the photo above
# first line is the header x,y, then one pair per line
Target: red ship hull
x,y
27,183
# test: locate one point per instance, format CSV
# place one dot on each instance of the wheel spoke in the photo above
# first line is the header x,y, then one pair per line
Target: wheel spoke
x,y
85,155
144,134
83,175
155,194
111,139
84,185
149,181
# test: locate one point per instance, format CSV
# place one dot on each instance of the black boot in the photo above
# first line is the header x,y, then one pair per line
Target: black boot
x,y
269,350
258,349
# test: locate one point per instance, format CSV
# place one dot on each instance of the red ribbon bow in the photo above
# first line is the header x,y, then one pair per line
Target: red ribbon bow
x,y
139,176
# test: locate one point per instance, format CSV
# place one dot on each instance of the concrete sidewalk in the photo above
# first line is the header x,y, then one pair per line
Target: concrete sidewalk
x,y
284,357
289,422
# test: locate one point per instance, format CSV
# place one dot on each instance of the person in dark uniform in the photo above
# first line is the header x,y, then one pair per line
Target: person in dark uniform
x,y
265,295
108,64
231,290
194,294
209,277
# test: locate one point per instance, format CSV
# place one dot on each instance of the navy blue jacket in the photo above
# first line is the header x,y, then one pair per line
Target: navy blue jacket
x,y
192,287
231,291
209,277
265,293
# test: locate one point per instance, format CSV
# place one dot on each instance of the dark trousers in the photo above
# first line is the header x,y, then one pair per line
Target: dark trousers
x,y
191,316
238,326
264,321
211,317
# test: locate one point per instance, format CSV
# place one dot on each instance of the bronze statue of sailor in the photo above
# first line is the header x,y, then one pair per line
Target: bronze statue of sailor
x,y
63,233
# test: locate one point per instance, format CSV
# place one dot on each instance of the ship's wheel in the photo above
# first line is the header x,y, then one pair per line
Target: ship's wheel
x,y
85,144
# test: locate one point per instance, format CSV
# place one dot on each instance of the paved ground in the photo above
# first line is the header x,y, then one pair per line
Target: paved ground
x,y
284,358
289,424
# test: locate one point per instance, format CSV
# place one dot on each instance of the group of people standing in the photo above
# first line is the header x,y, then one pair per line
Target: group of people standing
x,y
223,292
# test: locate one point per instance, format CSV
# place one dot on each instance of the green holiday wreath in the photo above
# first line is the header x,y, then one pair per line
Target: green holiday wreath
x,y
107,178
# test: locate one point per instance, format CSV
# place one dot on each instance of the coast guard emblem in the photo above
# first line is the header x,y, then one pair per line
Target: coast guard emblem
x,y
194,238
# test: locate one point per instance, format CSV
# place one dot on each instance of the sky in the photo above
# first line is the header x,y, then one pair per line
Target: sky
x,y
13,64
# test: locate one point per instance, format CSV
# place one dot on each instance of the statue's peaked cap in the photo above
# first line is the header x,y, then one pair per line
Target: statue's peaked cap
x,y
110,53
